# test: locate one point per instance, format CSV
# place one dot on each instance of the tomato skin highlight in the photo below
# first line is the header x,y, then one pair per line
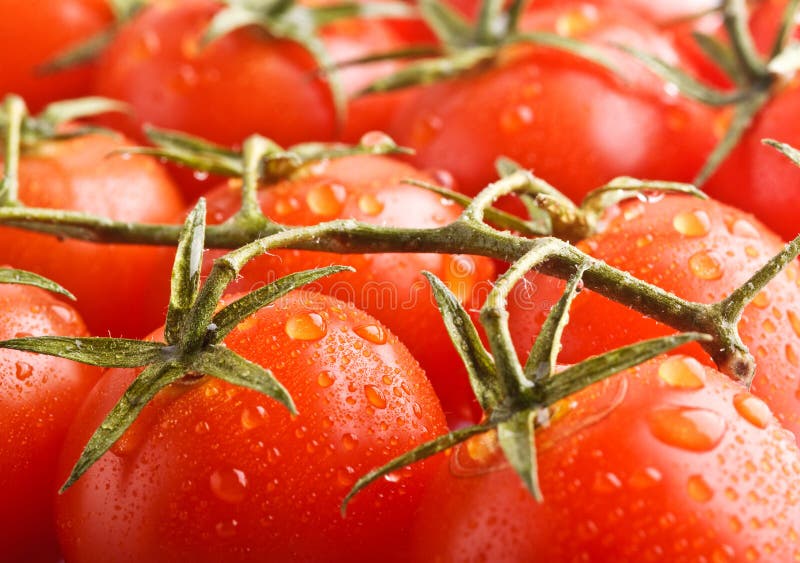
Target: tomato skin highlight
x,y
215,472
388,286
38,399
79,174
621,482
32,32
701,251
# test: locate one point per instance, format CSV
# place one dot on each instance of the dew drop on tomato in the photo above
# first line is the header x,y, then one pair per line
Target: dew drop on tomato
x,y
306,326
752,409
371,333
698,489
692,223
705,266
325,379
370,205
687,428
229,485
326,199
682,373
375,397
254,417
23,371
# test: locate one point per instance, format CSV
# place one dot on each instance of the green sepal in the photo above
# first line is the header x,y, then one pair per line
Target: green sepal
x,y
218,361
22,277
517,438
743,115
465,338
566,44
493,215
419,453
185,284
720,54
140,392
95,351
786,28
80,54
688,85
449,26
193,152
506,166
598,368
227,318
541,362
326,14
785,149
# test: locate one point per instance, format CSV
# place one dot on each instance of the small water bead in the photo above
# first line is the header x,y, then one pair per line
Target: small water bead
x,y
460,276
376,140
576,22
23,370
791,356
346,476
794,320
644,478
202,427
692,223
286,205
606,483
254,417
226,528
325,379
515,118
761,300
371,333
306,326
370,205
644,240
229,485
687,428
705,266
683,373
752,409
349,441
63,313
375,397
326,199
699,489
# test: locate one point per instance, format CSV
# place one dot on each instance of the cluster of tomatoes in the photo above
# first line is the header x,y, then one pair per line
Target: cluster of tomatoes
x,y
670,460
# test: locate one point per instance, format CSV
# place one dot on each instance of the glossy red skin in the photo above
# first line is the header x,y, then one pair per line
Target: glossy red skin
x,y
572,122
613,491
647,245
108,280
153,497
32,32
38,399
241,83
388,286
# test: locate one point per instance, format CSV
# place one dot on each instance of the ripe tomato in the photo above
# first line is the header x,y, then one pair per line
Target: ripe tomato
x,y
669,461
701,251
78,174
533,106
34,31
214,472
254,83
38,399
388,286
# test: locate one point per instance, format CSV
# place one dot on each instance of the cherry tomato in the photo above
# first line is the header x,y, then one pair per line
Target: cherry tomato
x,y
255,84
214,472
572,122
32,32
701,251
109,280
669,461
388,286
38,399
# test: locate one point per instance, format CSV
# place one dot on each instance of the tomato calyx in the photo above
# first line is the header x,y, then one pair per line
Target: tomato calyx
x,y
23,277
465,46
193,338
756,78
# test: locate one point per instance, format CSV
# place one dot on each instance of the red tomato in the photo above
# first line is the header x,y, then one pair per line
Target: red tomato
x,y
669,461
701,251
78,174
32,32
388,286
213,472
38,399
534,106
254,83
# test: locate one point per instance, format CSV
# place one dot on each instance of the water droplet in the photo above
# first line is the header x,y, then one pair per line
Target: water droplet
x,y
460,276
286,205
65,314
743,228
769,326
688,428
515,118
346,476
761,300
444,178
226,528
369,205
698,489
23,370
377,140
375,397
644,240
606,483
254,417
791,356
325,379
576,22
306,326
349,441
371,333
794,320
682,372
751,553
752,409
326,199
202,427
644,478
692,223
229,485
705,266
